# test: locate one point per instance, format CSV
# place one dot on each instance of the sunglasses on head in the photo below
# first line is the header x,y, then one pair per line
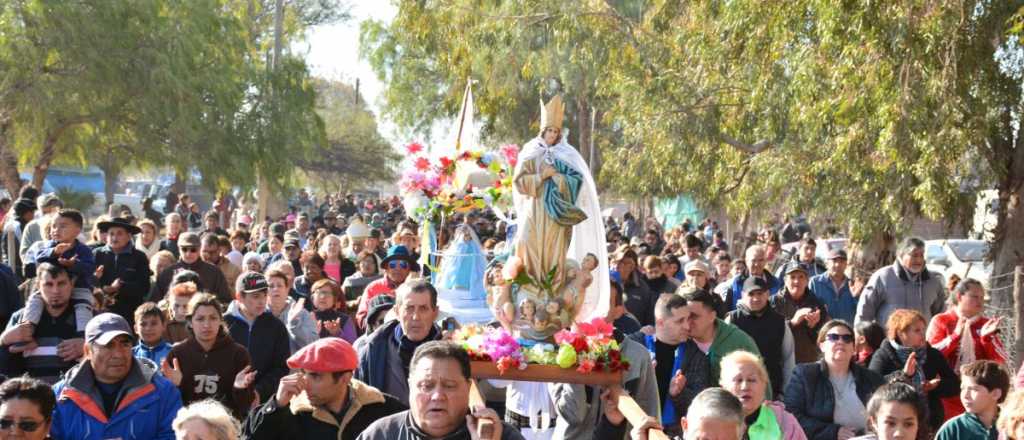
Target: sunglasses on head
x,y
24,426
835,337
189,250
398,264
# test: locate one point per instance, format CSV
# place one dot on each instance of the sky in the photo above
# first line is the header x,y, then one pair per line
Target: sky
x,y
332,51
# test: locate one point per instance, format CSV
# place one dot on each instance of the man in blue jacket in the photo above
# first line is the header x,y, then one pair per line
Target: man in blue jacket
x,y
112,394
384,359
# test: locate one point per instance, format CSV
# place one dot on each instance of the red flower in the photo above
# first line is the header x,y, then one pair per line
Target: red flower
x,y
422,163
446,162
413,148
597,327
580,344
586,366
506,363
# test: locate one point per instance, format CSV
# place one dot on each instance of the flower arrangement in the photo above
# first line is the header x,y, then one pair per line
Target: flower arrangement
x,y
587,348
429,185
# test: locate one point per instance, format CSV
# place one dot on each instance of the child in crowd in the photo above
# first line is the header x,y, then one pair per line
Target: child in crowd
x,y
65,249
175,306
896,412
868,337
150,325
983,386
331,319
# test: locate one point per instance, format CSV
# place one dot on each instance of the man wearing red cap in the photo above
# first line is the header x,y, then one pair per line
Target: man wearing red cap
x,y
321,399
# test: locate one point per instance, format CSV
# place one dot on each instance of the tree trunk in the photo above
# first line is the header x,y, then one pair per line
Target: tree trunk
x,y
583,127
869,255
9,176
110,182
179,184
1008,243
46,156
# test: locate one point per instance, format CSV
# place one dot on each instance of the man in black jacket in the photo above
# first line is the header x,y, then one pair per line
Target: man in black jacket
x,y
768,329
252,325
321,400
125,270
211,279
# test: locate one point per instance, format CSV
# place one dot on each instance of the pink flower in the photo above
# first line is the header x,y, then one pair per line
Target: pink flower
x,y
586,366
511,153
413,148
565,337
422,163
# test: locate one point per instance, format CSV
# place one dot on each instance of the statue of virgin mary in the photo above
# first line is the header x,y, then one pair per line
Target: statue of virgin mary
x,y
558,217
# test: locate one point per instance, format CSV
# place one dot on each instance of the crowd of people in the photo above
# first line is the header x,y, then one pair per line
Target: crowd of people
x,y
323,323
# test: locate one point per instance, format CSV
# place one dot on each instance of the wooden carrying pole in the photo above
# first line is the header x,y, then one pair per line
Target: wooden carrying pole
x,y
484,427
636,416
1018,313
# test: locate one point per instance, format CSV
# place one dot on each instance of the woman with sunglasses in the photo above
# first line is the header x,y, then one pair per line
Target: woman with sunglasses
x,y
26,406
397,265
828,397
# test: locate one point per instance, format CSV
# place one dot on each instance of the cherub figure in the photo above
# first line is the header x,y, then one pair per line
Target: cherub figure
x,y
557,315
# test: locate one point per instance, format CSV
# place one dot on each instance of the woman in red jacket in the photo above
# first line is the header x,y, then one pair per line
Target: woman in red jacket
x,y
947,332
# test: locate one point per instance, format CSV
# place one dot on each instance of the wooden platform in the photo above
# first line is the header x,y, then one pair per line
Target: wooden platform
x,y
545,373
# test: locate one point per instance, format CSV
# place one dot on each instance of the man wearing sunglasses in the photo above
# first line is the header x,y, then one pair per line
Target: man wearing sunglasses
x,y
211,279
396,265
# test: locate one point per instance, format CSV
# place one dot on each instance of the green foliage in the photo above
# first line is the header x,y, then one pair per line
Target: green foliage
x,y
868,112
354,153
80,200
516,52
159,83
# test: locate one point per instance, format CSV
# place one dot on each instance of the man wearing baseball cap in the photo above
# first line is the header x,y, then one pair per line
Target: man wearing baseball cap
x,y
805,313
252,325
768,329
211,279
320,400
111,394
833,288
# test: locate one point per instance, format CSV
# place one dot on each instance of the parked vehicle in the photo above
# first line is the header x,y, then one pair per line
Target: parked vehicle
x,y
825,245
963,257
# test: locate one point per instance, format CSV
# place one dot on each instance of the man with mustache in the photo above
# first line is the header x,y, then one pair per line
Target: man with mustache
x,y
111,394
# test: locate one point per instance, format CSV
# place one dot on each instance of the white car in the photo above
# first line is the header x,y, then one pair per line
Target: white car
x,y
821,251
963,257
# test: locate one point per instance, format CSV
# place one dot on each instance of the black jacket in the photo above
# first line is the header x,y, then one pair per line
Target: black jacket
x,y
211,280
810,398
805,339
640,299
132,267
301,420
268,345
885,361
768,329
